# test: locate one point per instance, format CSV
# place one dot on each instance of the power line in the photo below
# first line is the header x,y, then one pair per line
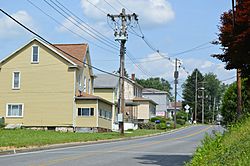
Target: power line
x,y
228,79
80,36
111,6
190,50
129,55
95,31
79,26
46,41
124,6
97,7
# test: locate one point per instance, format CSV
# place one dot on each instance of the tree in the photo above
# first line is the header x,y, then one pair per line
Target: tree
x,y
213,90
213,94
188,92
235,40
156,83
229,104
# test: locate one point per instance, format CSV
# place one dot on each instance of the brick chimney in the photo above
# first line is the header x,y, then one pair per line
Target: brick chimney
x,y
133,77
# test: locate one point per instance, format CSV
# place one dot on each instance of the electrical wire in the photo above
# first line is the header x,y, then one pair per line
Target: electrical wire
x,y
80,27
111,6
90,27
80,36
46,41
131,58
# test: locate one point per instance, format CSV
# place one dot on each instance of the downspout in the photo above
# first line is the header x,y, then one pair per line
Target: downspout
x,y
74,104
97,115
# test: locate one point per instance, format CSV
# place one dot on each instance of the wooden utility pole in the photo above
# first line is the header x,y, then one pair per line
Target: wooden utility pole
x,y
195,104
121,36
202,111
176,74
238,71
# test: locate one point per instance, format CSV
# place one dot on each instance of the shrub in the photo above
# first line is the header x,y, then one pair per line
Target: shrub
x,y
180,121
161,119
147,126
161,126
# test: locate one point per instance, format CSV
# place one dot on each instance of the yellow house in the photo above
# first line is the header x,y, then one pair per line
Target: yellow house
x,y
51,87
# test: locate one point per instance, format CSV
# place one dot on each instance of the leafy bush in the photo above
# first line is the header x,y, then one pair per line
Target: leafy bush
x,y
180,121
161,119
161,126
147,126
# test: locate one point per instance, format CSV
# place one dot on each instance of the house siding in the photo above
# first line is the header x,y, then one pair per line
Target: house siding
x,y
45,88
86,121
143,110
107,94
104,123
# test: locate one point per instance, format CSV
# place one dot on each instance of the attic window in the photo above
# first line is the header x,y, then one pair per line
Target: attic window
x,y
35,54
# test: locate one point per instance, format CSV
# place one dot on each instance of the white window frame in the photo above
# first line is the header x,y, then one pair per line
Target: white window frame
x,y
89,115
13,80
7,107
32,60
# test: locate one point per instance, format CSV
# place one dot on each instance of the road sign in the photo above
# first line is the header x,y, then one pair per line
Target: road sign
x,y
187,107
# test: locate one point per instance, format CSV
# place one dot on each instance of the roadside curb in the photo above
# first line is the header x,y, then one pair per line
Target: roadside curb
x,y
75,144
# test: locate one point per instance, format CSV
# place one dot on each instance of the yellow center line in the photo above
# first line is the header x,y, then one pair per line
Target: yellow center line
x,y
158,142
56,161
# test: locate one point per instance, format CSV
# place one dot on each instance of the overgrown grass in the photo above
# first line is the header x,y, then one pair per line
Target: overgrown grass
x,y
230,149
26,138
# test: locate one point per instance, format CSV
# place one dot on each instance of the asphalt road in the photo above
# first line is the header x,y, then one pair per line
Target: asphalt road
x,y
171,149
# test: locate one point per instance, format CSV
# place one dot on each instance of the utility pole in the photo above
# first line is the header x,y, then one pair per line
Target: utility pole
x,y
176,74
238,71
202,111
214,108
121,36
195,104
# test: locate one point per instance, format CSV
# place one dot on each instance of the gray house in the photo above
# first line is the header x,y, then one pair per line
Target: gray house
x,y
160,97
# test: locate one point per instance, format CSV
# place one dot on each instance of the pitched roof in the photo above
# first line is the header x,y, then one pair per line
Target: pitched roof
x,y
106,81
152,90
144,99
77,52
90,97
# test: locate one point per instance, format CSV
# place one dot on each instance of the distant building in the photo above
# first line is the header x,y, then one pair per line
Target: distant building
x,y
159,97
171,108
138,109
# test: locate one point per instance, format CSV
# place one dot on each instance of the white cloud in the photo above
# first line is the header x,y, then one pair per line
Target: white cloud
x,y
83,29
151,12
10,29
159,67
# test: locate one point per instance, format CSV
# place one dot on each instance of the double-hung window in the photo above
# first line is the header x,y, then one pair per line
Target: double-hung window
x,y
14,110
16,80
35,54
85,111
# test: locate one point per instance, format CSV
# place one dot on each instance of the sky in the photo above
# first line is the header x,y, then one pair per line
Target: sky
x,y
177,28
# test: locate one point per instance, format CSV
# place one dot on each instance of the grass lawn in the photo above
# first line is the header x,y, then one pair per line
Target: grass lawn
x,y
10,139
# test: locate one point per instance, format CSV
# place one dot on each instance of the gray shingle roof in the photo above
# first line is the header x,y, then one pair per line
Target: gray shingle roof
x,y
106,81
151,90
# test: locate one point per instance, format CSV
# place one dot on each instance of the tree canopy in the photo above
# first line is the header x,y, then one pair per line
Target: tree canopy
x,y
229,103
213,90
234,38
